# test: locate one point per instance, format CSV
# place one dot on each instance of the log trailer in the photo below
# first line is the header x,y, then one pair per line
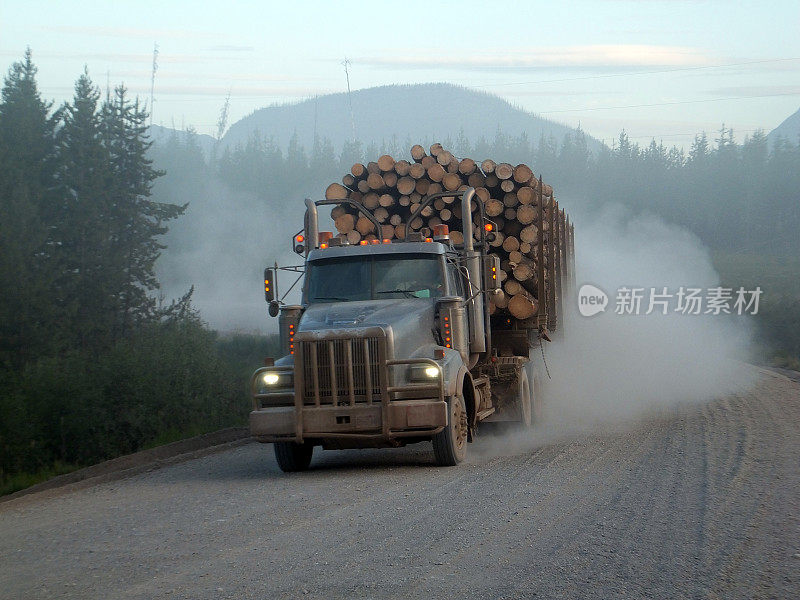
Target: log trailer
x,y
394,341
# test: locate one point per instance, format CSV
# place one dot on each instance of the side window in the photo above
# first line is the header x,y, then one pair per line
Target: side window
x,y
454,280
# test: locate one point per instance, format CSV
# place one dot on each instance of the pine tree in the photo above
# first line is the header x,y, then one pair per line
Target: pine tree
x,y
461,147
83,226
700,151
28,324
323,160
136,222
351,154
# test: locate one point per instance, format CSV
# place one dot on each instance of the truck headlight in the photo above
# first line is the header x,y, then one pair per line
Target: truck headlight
x,y
274,381
424,373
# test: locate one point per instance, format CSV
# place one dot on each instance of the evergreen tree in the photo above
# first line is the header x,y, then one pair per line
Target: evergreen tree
x,y
483,149
350,155
82,229
28,323
699,152
323,159
461,147
136,222
546,155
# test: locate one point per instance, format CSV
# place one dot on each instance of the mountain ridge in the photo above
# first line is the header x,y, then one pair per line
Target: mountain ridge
x,y
788,129
399,113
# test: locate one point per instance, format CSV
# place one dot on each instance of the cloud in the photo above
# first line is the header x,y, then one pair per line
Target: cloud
x,y
163,58
500,90
170,74
238,92
564,57
757,90
230,48
127,32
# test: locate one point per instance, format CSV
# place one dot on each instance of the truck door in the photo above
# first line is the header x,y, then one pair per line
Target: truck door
x,y
456,286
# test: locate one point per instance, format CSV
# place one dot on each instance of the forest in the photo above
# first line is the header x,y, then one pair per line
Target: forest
x,y
95,362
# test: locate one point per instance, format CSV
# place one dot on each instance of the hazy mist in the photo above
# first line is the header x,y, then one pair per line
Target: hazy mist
x,y
610,370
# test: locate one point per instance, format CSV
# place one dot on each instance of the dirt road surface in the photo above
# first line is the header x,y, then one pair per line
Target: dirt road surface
x,y
698,502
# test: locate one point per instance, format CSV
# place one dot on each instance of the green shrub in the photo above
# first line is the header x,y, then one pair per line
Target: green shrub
x,y
166,382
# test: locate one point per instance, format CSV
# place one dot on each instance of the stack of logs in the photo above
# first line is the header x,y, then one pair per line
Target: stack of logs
x,y
392,189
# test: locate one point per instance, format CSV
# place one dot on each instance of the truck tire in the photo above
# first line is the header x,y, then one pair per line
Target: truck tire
x,y
525,402
450,444
293,457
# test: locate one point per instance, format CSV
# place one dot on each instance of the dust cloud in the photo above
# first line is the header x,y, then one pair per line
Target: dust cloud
x,y
609,369
221,247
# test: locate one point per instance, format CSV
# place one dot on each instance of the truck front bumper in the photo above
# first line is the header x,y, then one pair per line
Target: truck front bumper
x,y
406,418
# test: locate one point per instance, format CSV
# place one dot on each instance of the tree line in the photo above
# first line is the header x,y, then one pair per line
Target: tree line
x,y
735,197
93,363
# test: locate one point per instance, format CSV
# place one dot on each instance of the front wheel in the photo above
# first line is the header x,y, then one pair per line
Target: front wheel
x,y
450,444
292,456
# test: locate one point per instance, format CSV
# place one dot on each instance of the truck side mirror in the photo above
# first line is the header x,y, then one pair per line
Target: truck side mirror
x,y
491,267
269,284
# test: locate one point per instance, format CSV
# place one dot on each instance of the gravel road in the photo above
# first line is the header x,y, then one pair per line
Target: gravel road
x,y
700,502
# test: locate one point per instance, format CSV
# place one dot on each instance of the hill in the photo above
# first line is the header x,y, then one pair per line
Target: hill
x,y
417,113
161,135
789,129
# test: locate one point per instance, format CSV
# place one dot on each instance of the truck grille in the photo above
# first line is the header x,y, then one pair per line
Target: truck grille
x,y
341,371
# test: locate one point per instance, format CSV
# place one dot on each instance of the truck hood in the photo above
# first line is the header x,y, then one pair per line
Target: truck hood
x,y
411,321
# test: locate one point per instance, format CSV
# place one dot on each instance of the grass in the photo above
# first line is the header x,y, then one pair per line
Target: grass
x,y
20,481
176,435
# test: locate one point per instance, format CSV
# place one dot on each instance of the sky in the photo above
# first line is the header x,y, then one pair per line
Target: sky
x,y
663,70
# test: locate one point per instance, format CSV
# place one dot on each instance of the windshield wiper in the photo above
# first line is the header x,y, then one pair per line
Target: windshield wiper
x,y
408,293
334,298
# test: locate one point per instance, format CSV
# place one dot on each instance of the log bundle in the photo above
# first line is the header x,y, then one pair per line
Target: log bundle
x,y
518,206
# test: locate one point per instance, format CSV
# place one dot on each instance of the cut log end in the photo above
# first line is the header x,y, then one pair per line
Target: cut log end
x,y
417,153
523,306
336,191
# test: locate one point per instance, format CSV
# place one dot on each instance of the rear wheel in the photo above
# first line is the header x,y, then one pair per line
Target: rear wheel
x,y
292,456
450,444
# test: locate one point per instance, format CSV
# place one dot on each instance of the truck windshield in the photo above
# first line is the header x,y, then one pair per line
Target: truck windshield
x,y
375,277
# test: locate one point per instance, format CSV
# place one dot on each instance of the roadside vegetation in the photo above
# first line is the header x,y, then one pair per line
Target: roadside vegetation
x,y
92,363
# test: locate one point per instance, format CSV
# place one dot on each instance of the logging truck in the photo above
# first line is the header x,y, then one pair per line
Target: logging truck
x,y
409,338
